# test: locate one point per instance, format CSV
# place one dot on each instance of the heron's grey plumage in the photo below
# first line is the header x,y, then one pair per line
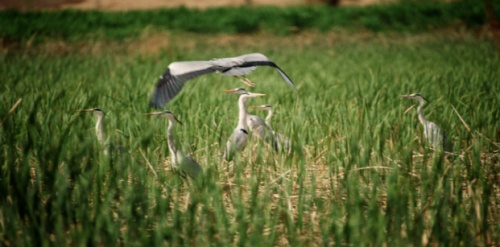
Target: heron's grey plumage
x,y
237,142
262,131
283,143
434,135
178,73
99,127
180,161
258,127
239,138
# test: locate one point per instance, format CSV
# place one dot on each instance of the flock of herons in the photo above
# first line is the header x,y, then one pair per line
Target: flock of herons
x,y
178,73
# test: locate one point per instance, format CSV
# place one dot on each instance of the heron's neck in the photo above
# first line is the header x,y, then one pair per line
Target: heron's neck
x,y
99,129
170,137
242,116
420,110
268,118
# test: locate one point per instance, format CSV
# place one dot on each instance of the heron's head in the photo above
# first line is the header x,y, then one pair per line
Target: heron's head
x,y
247,95
238,90
414,96
98,112
244,94
166,114
263,107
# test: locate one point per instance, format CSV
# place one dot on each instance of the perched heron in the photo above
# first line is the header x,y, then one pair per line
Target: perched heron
x,y
432,132
99,126
283,143
180,161
238,140
178,73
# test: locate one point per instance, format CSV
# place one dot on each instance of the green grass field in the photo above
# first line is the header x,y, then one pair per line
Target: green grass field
x,y
400,16
359,174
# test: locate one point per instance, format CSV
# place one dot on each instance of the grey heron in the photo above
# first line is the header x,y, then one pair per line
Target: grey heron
x,y
432,132
178,73
99,127
238,139
257,126
180,161
283,143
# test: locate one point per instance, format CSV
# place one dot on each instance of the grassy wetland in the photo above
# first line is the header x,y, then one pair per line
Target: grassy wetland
x,y
359,173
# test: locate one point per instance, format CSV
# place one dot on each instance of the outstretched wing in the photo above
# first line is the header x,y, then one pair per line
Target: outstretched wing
x,y
257,59
174,78
178,73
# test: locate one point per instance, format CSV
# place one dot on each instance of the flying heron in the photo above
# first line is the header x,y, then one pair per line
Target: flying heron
x,y
282,142
432,132
99,126
180,161
238,140
178,73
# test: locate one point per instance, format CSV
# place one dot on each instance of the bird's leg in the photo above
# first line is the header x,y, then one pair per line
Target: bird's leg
x,y
248,82
245,81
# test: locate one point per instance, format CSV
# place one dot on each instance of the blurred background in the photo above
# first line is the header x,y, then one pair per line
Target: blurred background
x,y
150,4
481,16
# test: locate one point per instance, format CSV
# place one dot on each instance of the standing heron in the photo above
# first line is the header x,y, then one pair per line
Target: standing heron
x,y
178,73
99,127
257,126
238,140
180,161
282,142
432,132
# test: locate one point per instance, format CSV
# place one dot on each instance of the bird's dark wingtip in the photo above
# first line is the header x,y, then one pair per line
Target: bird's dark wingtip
x,y
286,78
165,90
154,105
158,100
155,101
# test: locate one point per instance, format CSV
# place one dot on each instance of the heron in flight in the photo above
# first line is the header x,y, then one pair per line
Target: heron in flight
x,y
180,161
99,126
238,140
282,142
178,73
432,132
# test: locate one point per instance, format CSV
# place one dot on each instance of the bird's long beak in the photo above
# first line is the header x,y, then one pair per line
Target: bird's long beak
x,y
256,94
229,91
257,107
404,96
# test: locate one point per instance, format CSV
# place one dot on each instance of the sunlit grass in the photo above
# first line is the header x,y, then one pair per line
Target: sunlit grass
x,y
359,172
